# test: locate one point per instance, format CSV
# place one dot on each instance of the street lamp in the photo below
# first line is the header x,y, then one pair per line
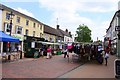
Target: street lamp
x,y
11,15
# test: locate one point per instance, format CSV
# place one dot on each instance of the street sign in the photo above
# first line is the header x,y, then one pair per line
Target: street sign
x,y
117,28
117,68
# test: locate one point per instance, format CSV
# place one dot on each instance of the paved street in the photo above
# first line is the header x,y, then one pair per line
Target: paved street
x,y
38,68
57,67
93,70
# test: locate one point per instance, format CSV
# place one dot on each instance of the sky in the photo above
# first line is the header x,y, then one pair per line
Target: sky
x,y
69,14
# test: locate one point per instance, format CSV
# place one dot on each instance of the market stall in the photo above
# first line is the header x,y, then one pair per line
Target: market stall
x,y
6,38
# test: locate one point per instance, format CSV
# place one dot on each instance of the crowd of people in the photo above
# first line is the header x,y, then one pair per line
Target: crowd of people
x,y
83,49
89,50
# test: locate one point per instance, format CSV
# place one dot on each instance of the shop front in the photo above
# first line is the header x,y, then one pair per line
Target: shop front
x,y
19,45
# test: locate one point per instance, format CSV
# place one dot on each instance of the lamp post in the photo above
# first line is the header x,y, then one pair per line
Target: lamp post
x,y
11,17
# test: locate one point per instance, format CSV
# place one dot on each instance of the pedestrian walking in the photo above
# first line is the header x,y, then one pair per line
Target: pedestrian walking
x,y
99,54
78,49
49,54
42,50
20,51
74,48
65,51
106,56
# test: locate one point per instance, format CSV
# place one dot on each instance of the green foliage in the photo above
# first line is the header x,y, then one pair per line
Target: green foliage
x,y
83,34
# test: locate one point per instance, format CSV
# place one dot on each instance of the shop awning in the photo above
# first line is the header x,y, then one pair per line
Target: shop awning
x,y
49,43
6,38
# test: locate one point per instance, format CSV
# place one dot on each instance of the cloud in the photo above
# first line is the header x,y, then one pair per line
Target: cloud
x,y
80,5
24,11
19,0
68,14
100,30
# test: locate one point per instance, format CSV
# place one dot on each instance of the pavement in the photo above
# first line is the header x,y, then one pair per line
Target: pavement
x,y
93,70
57,67
38,68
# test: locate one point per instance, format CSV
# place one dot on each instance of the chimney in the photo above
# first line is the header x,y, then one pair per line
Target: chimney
x,y
69,33
57,26
66,30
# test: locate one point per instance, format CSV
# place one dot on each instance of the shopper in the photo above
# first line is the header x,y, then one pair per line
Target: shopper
x,y
106,55
65,51
49,54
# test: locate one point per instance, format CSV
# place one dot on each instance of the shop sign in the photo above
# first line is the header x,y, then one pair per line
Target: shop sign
x,y
32,44
18,36
117,67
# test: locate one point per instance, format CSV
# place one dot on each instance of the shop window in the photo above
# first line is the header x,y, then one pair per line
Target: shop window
x,y
7,27
18,30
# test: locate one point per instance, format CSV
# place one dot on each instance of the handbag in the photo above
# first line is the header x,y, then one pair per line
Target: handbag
x,y
106,55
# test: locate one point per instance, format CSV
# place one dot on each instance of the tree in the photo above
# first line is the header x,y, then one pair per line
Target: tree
x,y
83,34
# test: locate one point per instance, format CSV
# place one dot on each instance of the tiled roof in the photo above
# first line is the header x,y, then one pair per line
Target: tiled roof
x,y
63,33
50,30
59,33
1,7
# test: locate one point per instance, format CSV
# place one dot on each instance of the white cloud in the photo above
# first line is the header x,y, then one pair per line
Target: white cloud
x,y
19,0
100,30
67,12
24,11
80,5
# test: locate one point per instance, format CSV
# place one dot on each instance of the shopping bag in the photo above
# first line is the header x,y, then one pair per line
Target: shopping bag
x,y
106,55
